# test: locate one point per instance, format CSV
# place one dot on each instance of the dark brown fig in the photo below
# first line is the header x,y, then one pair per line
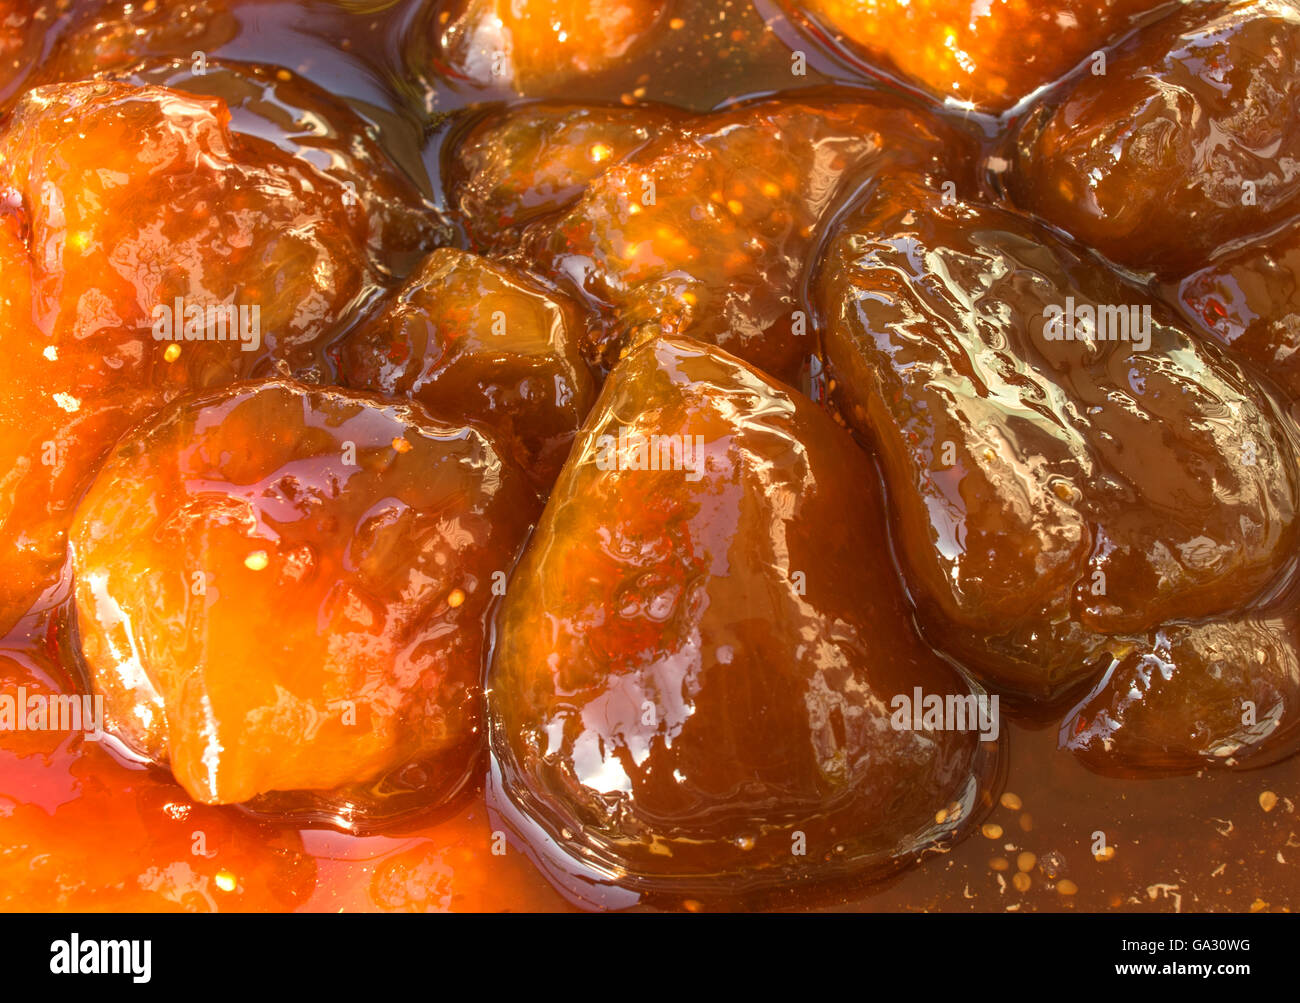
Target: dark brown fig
x,y
707,682
1065,463
1186,144
1218,694
1250,301
511,167
475,340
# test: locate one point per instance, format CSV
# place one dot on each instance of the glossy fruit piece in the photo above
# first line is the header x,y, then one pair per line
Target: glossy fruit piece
x,y
283,588
50,436
85,832
133,213
151,197
698,656
520,164
1250,301
32,426
707,231
477,341
321,131
1047,492
190,45
1189,143
535,46
1221,694
102,36
145,175
985,55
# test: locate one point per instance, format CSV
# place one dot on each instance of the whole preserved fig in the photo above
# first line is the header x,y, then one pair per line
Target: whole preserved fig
x,y
1220,694
481,341
147,251
1187,144
283,588
1065,462
707,681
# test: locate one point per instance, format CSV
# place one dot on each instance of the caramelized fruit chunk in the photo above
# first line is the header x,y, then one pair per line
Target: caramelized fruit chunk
x,y
1048,491
474,340
706,231
535,46
324,132
282,588
133,213
104,35
1213,694
1250,301
1188,143
172,45
45,436
136,196
988,55
510,169
698,656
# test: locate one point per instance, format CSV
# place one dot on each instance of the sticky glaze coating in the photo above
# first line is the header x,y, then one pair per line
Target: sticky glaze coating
x,y
99,838
1047,493
695,664
1188,143
478,341
322,132
343,100
116,35
344,546
23,29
